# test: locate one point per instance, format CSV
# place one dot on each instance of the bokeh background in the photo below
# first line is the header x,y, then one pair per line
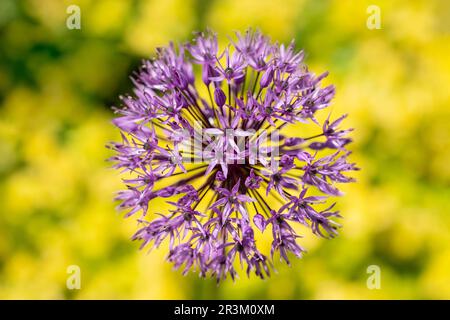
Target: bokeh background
x,y
56,189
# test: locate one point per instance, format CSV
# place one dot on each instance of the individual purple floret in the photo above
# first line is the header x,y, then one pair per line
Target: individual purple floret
x,y
194,133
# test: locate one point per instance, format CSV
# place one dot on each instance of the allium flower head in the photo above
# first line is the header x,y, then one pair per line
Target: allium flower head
x,y
210,131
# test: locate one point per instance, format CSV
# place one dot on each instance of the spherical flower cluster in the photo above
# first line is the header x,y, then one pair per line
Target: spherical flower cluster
x,y
224,190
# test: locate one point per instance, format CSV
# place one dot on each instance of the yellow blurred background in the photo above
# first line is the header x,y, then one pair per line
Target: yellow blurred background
x,y
56,89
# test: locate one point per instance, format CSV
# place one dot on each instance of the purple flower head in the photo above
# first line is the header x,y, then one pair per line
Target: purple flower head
x,y
202,145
